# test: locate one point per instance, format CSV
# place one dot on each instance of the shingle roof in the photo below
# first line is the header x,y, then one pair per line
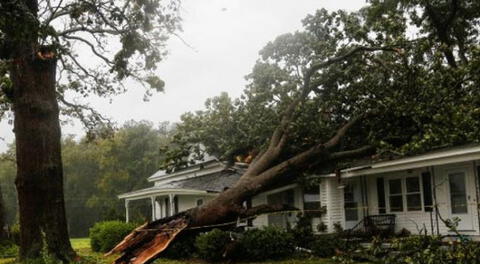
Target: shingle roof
x,y
214,182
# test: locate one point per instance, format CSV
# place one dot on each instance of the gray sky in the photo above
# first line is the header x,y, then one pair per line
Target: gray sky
x,y
225,37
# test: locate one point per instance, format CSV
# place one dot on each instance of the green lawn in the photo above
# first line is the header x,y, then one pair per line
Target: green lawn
x,y
82,246
79,243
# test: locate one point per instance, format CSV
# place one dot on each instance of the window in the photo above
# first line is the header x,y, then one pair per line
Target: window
x,y
311,201
405,193
280,198
351,206
396,198
458,193
414,197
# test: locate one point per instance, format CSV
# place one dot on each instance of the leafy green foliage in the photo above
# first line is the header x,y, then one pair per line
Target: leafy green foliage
x,y
96,172
7,185
267,243
211,245
302,232
183,247
416,99
8,249
325,246
105,235
139,30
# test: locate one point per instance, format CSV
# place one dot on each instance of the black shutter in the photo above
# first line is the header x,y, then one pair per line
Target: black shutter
x,y
381,196
427,191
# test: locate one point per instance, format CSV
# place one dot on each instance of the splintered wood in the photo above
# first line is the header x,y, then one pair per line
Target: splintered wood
x,y
147,241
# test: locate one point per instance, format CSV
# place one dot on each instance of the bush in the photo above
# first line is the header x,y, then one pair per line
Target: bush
x,y
8,249
325,245
211,246
105,235
182,247
267,243
302,232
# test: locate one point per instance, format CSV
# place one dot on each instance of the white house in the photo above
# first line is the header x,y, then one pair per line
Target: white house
x,y
197,184
418,190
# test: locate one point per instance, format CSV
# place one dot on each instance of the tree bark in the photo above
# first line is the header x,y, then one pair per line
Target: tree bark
x,y
39,165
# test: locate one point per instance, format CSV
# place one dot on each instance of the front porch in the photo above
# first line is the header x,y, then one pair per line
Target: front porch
x,y
166,202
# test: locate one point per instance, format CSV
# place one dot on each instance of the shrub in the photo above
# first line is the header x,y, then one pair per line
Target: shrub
x,y
302,232
8,249
182,247
105,235
324,246
322,227
267,243
211,246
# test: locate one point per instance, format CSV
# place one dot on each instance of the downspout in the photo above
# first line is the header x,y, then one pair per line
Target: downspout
x,y
475,173
432,171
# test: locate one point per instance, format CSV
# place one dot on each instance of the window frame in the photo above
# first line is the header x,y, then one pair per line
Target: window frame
x,y
404,193
312,190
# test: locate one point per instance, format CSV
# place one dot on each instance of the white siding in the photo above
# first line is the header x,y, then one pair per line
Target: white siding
x,y
186,202
334,204
416,221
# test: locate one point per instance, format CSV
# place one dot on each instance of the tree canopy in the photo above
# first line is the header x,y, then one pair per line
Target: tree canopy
x,y
99,44
416,95
96,172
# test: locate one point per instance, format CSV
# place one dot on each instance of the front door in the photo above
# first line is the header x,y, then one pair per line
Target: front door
x,y
460,197
352,196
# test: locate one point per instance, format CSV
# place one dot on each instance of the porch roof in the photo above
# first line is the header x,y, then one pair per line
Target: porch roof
x,y
159,191
433,158
209,184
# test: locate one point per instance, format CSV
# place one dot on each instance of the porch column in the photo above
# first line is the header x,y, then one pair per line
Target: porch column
x,y
172,205
127,213
152,199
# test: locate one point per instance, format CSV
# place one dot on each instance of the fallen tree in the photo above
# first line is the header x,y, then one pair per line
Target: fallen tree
x,y
359,77
147,241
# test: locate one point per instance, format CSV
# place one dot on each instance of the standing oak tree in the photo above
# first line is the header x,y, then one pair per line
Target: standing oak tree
x,y
52,51
382,80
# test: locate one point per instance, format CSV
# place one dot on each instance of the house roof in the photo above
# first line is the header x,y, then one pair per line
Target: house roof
x,y
209,183
161,174
440,156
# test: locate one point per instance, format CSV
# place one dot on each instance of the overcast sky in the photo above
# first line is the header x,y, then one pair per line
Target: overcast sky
x,y
225,37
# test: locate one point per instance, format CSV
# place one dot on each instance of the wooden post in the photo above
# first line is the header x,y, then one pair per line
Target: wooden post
x,y
127,214
152,199
170,198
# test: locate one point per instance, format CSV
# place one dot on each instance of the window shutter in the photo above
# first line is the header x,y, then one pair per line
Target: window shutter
x,y
427,191
381,196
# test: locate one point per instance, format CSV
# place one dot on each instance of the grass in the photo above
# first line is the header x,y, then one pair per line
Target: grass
x,y
82,247
80,243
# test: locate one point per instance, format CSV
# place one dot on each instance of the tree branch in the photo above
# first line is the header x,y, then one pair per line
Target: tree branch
x,y
280,135
332,142
354,153
265,209
105,59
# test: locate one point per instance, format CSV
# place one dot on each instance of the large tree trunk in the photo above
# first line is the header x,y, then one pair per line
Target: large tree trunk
x,y
39,165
